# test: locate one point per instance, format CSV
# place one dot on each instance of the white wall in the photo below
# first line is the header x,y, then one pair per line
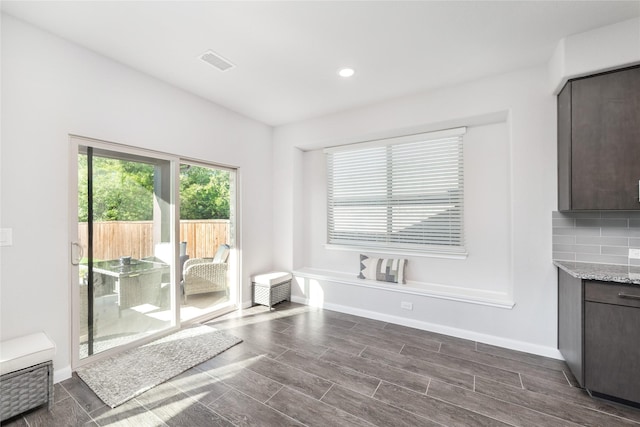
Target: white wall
x,y
602,49
51,88
526,202
487,219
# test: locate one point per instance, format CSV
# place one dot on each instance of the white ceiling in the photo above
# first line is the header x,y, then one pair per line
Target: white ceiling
x,y
287,53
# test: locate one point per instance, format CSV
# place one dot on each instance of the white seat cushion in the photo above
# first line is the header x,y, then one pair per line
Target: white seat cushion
x,y
222,254
271,279
22,352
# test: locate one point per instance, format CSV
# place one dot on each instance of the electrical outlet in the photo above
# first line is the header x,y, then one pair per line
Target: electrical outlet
x,y
406,305
634,253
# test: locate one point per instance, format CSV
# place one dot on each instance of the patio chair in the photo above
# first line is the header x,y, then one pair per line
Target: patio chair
x,y
204,275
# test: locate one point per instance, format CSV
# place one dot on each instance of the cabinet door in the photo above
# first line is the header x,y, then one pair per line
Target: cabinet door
x,y
605,141
611,350
570,297
564,148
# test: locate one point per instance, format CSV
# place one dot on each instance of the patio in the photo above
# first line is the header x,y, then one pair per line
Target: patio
x,y
115,326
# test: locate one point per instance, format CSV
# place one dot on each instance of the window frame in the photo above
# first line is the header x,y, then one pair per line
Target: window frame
x,y
386,245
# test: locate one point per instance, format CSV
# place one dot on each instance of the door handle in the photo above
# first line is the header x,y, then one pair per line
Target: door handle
x,y
628,296
80,253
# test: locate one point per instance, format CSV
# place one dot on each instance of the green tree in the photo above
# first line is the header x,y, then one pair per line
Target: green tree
x,y
123,191
204,193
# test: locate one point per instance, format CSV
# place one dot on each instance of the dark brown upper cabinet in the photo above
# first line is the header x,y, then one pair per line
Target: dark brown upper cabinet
x,y
599,142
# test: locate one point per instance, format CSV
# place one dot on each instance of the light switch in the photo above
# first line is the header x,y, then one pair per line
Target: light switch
x,y
6,236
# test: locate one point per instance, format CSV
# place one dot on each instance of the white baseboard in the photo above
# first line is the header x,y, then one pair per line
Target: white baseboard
x,y
441,329
62,374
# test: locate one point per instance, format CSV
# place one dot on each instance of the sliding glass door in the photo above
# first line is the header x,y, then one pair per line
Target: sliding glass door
x,y
207,234
153,245
126,239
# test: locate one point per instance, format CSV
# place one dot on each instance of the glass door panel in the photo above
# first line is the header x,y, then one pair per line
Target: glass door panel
x,y
207,233
125,230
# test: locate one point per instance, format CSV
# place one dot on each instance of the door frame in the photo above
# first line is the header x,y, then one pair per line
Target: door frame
x,y
235,235
74,316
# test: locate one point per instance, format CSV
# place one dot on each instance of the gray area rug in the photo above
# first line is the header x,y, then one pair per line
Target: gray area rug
x,y
119,378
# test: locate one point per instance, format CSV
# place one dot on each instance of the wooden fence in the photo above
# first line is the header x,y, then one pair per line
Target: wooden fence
x,y
113,239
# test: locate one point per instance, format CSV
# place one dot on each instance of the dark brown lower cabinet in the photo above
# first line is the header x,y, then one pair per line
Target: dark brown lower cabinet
x,y
612,340
603,349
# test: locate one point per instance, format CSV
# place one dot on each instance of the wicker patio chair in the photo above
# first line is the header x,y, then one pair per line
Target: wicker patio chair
x,y
204,275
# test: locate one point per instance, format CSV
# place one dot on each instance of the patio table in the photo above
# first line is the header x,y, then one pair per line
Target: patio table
x,y
135,283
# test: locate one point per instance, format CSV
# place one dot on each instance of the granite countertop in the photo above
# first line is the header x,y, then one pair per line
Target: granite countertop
x,y
601,272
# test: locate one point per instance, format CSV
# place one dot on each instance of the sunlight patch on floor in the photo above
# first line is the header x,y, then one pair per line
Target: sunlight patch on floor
x,y
145,308
232,369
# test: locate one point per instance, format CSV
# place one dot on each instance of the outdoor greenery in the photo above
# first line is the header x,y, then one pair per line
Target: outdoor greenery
x,y
123,191
204,193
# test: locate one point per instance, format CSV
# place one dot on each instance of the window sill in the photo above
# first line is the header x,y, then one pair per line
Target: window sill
x,y
396,252
473,296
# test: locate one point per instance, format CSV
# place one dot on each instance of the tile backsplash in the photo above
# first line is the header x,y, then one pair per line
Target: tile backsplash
x,y
601,237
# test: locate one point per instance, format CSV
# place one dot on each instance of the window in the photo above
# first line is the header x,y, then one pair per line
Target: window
x,y
400,193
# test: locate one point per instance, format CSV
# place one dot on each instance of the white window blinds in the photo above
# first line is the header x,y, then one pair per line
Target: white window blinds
x,y
403,192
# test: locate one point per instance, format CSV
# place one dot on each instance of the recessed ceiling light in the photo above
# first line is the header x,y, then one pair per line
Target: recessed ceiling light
x,y
346,72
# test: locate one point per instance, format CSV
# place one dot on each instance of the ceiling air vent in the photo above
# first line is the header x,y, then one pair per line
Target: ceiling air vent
x,y
212,58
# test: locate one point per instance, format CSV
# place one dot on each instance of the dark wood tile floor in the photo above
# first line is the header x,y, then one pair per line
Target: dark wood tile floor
x,y
300,366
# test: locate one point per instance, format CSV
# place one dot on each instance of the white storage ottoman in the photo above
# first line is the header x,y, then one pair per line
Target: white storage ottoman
x,y
271,288
26,370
